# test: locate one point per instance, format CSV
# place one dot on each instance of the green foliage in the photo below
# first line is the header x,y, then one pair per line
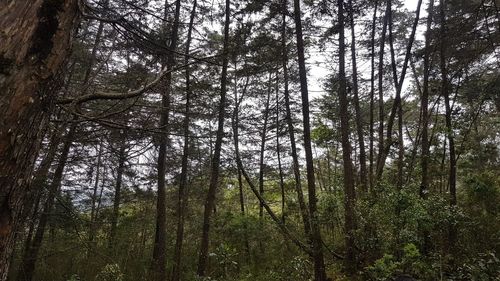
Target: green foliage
x,y
486,266
110,272
74,277
411,263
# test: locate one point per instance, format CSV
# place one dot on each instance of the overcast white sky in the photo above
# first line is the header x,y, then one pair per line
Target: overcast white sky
x,y
320,68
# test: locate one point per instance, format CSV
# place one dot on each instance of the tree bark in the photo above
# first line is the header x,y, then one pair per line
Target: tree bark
x,y
381,93
291,131
316,242
183,183
350,195
122,157
363,175
235,124
263,146
35,38
159,249
399,86
28,264
424,104
93,198
372,93
214,173
278,152
445,92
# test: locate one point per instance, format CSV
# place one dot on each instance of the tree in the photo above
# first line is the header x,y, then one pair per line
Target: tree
x,y
316,242
45,33
215,164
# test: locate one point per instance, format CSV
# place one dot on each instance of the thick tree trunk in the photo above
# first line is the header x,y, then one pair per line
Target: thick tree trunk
x,y
35,37
350,195
39,183
29,260
291,131
214,173
316,242
183,183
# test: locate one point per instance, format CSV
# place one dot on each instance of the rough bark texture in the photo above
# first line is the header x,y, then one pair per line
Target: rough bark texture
x,y
35,38
29,261
214,173
316,242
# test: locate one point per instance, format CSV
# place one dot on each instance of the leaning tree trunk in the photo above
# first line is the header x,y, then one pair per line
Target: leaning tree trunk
x,y
35,40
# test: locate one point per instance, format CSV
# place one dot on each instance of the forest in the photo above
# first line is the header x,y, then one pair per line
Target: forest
x,y
238,140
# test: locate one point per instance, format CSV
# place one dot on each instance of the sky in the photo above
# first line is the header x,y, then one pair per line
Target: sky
x,y
320,64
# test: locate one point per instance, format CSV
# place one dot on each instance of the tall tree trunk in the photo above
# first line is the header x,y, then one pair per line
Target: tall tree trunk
x,y
445,92
263,145
39,183
27,268
235,124
359,122
424,104
183,183
35,38
316,242
94,193
122,157
381,93
278,152
396,105
159,248
214,173
291,131
350,195
372,92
